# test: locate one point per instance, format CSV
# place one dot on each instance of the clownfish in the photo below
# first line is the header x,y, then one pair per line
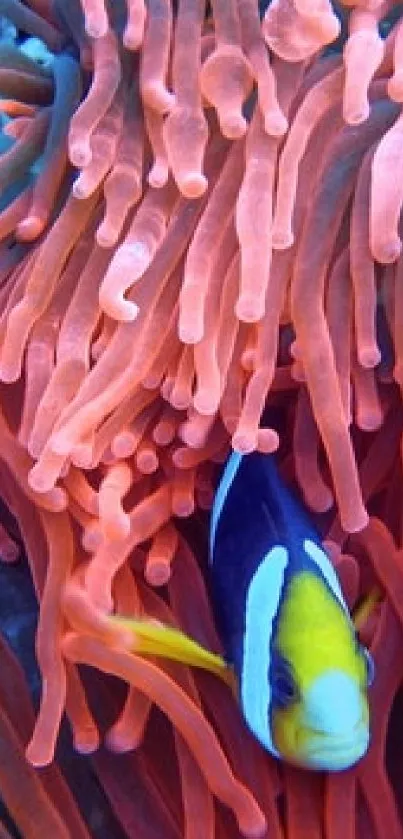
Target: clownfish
x,y
301,675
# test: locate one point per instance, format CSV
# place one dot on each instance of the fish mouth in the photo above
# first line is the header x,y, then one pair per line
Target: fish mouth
x,y
334,753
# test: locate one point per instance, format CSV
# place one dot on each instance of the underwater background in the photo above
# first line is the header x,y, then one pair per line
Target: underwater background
x,y
199,249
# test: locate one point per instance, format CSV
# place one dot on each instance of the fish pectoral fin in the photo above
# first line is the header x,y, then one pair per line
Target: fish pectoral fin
x,y
365,608
153,638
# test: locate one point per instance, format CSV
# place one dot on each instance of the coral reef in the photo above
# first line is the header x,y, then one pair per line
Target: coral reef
x,y
200,247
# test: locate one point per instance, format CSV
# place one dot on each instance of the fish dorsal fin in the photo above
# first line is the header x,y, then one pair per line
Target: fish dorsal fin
x,y
231,468
262,605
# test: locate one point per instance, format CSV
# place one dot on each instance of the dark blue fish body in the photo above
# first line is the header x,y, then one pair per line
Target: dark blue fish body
x,y
253,513
285,626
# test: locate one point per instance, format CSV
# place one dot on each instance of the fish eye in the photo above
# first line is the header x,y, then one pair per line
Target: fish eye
x,y
283,685
369,663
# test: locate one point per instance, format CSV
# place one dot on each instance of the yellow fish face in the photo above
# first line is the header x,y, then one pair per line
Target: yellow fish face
x,y
320,676
320,732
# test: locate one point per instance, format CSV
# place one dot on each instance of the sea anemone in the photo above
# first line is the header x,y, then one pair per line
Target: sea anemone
x,y
200,248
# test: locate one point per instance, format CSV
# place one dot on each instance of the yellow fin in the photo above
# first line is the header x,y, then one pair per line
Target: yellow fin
x,y
157,639
366,607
